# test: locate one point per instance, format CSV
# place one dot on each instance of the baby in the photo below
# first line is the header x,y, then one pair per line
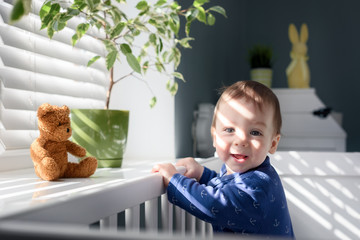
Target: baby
x,y
247,195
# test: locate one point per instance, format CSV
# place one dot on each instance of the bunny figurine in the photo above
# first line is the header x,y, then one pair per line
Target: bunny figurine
x,y
298,72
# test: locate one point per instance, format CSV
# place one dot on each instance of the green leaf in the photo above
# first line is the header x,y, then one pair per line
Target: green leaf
x,y
142,5
133,62
117,29
164,56
129,38
145,67
153,102
93,60
125,48
175,6
172,88
21,8
177,57
50,32
159,66
90,4
218,9
73,12
44,10
179,76
159,47
55,9
110,46
81,29
74,39
201,16
185,42
192,14
152,39
174,23
187,28
200,2
57,25
160,2
211,19
110,59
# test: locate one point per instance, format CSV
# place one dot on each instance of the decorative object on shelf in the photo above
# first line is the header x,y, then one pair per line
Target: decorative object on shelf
x,y
49,151
102,132
260,59
322,112
159,21
298,73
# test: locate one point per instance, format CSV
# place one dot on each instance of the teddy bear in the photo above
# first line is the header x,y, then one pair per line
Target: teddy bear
x,y
49,151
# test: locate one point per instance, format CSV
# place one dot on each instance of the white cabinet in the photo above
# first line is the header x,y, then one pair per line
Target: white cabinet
x,y
304,131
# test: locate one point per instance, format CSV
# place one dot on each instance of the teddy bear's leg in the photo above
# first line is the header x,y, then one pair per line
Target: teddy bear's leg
x,y
85,168
47,169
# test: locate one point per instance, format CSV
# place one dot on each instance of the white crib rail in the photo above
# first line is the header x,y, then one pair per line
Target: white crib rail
x,y
172,219
127,199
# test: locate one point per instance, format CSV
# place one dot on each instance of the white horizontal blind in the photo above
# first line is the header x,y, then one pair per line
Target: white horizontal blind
x,y
36,70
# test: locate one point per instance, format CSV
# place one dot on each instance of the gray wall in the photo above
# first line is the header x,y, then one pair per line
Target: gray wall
x,y
218,56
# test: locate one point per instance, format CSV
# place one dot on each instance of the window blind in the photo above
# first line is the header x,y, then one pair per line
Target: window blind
x,y
36,70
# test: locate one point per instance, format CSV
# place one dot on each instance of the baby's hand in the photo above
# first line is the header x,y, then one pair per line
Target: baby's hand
x,y
193,168
167,170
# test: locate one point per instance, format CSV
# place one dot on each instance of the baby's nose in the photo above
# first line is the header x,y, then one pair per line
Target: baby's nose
x,y
240,139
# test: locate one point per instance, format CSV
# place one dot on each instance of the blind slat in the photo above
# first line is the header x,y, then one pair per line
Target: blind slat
x,y
17,58
13,119
18,38
27,100
16,139
30,81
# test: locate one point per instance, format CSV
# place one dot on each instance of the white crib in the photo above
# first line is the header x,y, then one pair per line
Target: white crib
x,y
322,188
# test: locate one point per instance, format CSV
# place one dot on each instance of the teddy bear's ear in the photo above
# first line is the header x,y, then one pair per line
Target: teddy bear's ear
x,y
66,109
44,109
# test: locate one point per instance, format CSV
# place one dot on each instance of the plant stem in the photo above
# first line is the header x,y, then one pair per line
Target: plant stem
x,y
111,84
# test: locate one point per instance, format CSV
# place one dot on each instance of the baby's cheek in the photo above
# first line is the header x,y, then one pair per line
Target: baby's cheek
x,y
255,143
221,143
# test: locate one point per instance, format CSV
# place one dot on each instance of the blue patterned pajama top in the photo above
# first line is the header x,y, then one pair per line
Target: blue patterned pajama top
x,y
250,202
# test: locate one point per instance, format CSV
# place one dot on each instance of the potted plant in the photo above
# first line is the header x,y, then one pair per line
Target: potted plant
x,y
160,20
260,60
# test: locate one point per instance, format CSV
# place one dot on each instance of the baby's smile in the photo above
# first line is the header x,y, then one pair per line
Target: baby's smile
x,y
239,157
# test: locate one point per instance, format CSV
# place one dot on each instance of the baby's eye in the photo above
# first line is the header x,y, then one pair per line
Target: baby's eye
x,y
59,123
255,133
229,130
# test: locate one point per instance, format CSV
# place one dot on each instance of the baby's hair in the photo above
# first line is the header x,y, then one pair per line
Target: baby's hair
x,y
253,91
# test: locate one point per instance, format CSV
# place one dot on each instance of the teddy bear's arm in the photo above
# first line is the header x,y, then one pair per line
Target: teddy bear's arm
x,y
75,149
37,150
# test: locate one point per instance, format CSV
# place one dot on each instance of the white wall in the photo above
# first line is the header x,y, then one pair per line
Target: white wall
x,y
151,131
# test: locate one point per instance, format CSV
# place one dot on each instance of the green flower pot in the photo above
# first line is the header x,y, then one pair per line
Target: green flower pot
x,y
103,133
262,75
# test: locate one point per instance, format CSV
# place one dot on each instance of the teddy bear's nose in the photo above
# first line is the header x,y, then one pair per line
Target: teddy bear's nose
x,y
68,130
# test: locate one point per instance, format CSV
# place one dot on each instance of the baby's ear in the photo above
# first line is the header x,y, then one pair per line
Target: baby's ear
x,y
44,109
274,143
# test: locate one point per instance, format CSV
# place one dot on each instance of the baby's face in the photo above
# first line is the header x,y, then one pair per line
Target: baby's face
x,y
243,134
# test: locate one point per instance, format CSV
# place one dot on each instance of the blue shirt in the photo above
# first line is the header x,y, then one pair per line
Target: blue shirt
x,y
250,202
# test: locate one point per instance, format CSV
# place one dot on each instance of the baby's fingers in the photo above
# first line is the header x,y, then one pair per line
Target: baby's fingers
x,y
156,168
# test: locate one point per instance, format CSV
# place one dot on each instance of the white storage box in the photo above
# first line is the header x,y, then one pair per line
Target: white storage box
x,y
304,131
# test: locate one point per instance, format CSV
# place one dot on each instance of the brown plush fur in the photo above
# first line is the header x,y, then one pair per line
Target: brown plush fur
x,y
49,150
